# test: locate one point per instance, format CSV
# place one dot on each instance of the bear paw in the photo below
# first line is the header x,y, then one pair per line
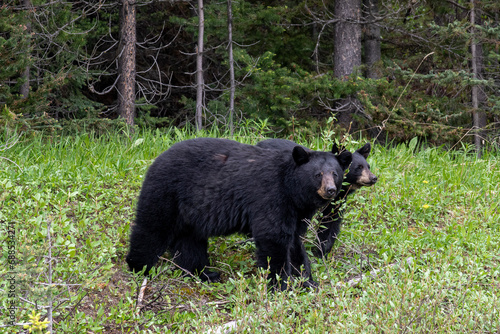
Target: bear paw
x,y
310,284
210,276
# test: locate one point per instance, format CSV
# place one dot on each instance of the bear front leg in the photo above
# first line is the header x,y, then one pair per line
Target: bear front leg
x,y
301,266
151,232
274,255
145,248
328,230
191,255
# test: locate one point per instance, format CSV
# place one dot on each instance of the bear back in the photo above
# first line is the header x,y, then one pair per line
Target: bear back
x,y
220,186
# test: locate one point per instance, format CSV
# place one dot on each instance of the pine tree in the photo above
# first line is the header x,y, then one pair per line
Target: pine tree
x,y
14,55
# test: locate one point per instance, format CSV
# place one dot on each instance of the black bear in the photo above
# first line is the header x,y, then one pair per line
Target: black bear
x,y
359,175
207,187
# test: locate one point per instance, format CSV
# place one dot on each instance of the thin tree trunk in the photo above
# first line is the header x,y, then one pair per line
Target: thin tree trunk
x,y
478,96
126,61
372,39
347,53
25,87
199,68
231,66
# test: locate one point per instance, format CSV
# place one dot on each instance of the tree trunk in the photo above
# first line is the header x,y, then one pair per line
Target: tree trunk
x,y
347,51
347,43
199,68
126,61
478,95
231,66
25,87
372,39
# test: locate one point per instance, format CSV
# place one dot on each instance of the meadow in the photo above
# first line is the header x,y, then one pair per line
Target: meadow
x,y
418,252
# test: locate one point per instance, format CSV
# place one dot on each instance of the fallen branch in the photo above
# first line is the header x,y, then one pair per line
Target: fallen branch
x,y
141,294
228,327
374,273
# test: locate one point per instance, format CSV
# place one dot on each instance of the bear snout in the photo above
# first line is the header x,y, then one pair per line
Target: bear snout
x,y
367,178
327,191
372,179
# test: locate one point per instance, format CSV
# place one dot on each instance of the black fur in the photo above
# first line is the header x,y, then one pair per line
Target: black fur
x,y
359,175
207,187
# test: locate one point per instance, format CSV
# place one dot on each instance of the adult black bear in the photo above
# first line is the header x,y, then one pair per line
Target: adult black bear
x,y
207,187
359,175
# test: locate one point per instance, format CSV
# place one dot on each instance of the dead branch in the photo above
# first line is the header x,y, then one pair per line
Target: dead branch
x,y
373,274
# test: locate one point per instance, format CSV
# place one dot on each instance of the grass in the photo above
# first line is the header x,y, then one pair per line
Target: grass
x,y
72,202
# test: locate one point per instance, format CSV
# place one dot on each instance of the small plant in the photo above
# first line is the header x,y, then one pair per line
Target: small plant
x,y
36,326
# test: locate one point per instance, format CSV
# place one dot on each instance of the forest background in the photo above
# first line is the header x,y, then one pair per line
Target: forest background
x,y
388,69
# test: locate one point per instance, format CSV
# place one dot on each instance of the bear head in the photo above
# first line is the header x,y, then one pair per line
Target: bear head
x,y
359,174
320,172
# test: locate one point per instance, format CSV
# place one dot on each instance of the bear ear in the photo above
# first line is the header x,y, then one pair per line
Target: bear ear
x,y
337,149
300,156
344,159
365,150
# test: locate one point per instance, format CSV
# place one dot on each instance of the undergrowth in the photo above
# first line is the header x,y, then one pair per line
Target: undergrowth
x,y
428,232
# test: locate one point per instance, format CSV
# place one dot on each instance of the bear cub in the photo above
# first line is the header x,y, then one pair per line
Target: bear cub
x,y
359,175
207,187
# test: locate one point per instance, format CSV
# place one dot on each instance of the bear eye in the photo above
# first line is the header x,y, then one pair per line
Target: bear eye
x,y
359,167
319,175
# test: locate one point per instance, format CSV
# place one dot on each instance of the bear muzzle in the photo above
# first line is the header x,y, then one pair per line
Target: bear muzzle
x,y
328,192
367,179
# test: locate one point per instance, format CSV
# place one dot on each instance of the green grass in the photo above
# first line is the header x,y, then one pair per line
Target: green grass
x,y
437,207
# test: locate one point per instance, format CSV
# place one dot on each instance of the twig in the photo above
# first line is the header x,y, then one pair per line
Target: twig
x,y
8,145
17,324
13,163
49,308
467,133
384,122
187,272
75,306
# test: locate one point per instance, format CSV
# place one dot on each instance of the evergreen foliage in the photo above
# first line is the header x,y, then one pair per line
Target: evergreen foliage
x,y
13,56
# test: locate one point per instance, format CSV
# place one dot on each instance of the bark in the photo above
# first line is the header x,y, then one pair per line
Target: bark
x,y
199,68
126,61
347,43
231,65
478,95
372,39
25,87
347,53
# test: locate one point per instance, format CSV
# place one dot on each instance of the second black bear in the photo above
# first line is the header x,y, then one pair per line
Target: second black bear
x,y
359,175
207,187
